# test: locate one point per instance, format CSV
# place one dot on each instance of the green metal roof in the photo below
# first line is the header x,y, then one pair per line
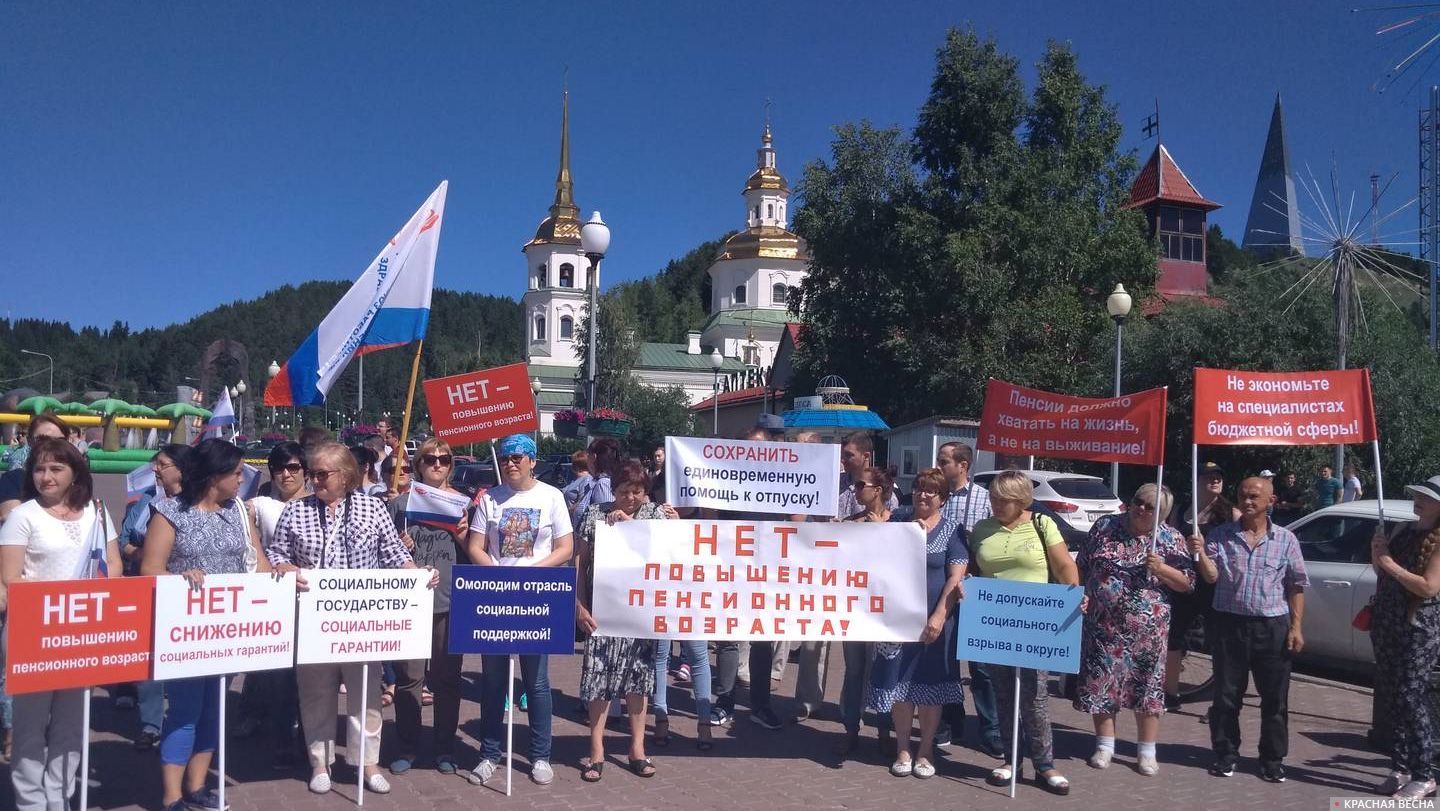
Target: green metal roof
x,y
673,357
555,399
747,316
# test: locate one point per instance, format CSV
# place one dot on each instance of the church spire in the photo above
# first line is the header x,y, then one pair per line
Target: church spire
x,y
564,189
563,224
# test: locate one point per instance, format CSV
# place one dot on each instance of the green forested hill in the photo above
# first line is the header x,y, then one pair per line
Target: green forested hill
x,y
467,331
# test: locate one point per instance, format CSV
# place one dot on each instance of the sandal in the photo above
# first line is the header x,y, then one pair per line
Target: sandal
x,y
593,771
642,767
1055,784
999,777
704,741
661,736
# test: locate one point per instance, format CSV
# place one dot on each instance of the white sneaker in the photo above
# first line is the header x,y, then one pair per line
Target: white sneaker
x,y
1147,765
377,783
1101,758
541,773
320,783
481,774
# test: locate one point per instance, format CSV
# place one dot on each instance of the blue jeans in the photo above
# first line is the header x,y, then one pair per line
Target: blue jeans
x,y
697,653
535,675
151,698
193,721
987,715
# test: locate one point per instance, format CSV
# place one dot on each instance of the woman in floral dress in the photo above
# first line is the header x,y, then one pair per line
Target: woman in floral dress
x,y
1123,649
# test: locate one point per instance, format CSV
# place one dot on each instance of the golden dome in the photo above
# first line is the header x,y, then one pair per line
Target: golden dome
x,y
767,177
766,242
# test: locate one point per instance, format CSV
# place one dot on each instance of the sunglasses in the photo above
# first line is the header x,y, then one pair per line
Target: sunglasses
x,y
293,467
443,459
405,469
513,459
927,493
322,475
1143,505
860,486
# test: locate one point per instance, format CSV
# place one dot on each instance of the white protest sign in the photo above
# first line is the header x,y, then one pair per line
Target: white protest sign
x,y
766,477
234,623
364,615
759,580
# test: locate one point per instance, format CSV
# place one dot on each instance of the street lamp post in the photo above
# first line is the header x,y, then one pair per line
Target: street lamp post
x,y
52,366
535,387
1118,306
594,242
716,361
272,370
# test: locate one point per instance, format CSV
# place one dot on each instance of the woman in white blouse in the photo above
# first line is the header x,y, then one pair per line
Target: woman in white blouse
x,y
48,537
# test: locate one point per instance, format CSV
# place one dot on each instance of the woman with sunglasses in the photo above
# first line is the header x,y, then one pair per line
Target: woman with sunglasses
x,y
337,527
438,549
922,676
205,530
872,489
522,522
270,697
1131,574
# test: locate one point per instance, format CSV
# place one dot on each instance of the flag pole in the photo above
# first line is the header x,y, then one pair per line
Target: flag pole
x,y
405,421
1379,485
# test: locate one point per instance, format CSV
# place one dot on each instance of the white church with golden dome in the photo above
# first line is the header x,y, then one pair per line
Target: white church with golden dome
x,y
752,281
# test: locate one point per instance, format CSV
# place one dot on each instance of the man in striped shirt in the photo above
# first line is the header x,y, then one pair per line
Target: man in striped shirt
x,y
1260,582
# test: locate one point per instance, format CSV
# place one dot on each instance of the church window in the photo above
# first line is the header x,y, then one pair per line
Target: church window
x,y
567,275
751,354
567,327
539,277
539,327
739,297
769,211
779,293
757,212
1182,233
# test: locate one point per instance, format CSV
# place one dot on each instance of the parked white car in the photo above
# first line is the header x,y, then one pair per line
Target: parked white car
x,y
1079,500
1335,542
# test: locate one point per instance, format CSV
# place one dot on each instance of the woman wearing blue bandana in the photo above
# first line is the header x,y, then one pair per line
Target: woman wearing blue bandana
x,y
522,522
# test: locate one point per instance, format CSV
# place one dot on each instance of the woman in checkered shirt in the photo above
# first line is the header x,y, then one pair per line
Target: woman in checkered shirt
x,y
338,528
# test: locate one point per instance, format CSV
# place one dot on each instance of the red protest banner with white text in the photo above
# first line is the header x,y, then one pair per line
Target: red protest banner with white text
x,y
78,633
233,623
759,580
481,405
1021,421
1283,408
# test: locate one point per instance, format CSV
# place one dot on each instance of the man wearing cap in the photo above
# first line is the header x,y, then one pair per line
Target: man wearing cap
x,y
522,522
1259,579
1208,511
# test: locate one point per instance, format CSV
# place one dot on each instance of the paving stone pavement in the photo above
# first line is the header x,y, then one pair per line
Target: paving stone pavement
x,y
754,768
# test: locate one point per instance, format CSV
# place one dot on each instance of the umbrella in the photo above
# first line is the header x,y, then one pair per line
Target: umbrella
x,y
37,405
111,406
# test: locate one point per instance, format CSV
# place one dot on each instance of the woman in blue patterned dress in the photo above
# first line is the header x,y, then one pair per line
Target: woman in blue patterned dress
x,y
1122,652
924,675
205,530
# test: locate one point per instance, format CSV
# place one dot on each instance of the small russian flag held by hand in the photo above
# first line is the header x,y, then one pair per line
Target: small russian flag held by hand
x,y
434,507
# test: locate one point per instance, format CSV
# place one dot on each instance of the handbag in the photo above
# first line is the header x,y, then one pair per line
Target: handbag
x,y
1364,617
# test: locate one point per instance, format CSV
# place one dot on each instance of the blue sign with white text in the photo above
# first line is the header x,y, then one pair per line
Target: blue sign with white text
x,y
501,610
1007,622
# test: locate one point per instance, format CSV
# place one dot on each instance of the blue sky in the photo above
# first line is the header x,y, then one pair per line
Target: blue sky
x,y
240,146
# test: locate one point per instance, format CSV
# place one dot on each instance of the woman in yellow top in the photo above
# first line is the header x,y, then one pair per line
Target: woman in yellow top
x,y
1016,544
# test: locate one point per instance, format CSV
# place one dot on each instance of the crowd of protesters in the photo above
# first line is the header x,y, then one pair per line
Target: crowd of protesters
x,y
1147,573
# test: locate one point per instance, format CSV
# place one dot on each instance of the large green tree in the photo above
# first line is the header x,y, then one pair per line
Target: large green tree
x,y
982,245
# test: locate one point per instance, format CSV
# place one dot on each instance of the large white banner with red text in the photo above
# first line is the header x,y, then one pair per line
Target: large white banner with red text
x,y
759,580
781,478
233,623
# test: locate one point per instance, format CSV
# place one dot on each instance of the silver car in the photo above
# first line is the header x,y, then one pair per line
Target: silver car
x,y
1335,542
1077,499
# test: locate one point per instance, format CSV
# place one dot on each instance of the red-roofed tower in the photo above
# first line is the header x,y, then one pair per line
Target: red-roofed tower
x,y
1176,214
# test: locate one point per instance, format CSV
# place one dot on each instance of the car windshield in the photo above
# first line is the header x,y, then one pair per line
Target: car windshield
x,y
1082,488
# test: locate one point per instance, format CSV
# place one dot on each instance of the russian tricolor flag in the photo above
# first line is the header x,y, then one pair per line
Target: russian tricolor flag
x,y
388,306
222,415
435,507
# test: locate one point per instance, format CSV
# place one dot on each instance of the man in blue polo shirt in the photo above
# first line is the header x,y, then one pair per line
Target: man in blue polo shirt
x,y
1259,603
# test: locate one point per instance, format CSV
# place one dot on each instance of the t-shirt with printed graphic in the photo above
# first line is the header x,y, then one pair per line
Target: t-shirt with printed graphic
x,y
521,525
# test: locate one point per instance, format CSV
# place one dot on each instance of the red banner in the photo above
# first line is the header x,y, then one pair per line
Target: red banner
x,y
482,405
1019,421
1283,408
79,633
